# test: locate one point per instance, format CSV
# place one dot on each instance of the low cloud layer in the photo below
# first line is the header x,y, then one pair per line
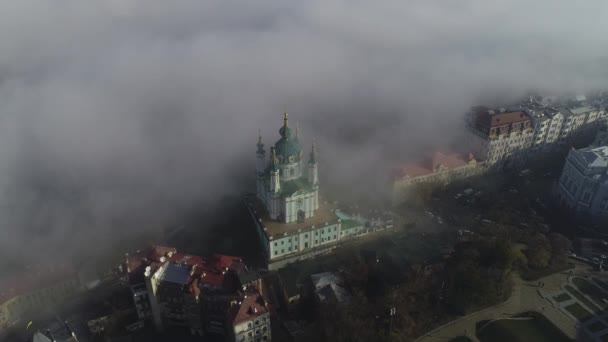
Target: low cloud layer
x,y
117,114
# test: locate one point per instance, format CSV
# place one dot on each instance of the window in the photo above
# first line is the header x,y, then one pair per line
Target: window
x,y
282,251
335,236
275,244
306,236
291,172
276,252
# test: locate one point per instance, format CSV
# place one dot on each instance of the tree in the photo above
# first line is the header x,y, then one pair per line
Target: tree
x,y
560,244
538,257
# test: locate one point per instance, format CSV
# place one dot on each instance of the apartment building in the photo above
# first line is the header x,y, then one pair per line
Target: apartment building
x,y
440,168
583,184
249,319
172,289
499,136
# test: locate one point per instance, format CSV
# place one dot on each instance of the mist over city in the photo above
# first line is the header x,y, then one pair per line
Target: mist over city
x,y
122,119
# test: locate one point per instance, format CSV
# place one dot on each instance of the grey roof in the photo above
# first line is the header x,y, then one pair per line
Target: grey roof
x,y
176,273
593,157
327,287
580,110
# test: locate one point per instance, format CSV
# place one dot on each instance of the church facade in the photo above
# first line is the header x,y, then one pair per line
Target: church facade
x,y
291,222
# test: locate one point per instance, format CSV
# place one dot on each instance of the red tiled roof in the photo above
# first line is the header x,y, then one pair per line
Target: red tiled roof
x,y
211,271
500,119
250,308
450,161
161,251
428,165
414,170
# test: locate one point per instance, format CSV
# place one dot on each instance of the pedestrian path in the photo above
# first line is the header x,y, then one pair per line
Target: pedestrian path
x,y
526,296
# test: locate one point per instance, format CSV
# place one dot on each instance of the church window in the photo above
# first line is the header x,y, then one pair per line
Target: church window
x,y
276,252
292,172
306,236
305,244
275,244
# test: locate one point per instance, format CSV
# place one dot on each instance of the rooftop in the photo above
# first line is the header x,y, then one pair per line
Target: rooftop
x,y
596,157
430,164
491,118
249,307
176,273
324,215
192,271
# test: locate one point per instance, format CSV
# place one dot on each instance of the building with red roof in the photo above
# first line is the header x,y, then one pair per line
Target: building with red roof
x,y
249,318
177,289
499,135
441,167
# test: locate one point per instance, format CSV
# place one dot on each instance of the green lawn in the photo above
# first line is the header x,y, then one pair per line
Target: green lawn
x,y
591,290
537,329
562,297
579,312
582,298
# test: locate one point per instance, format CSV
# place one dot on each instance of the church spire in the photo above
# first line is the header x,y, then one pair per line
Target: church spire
x,y
273,159
260,144
313,153
285,131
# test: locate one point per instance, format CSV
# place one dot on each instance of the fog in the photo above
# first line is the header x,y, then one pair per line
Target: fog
x,y
115,115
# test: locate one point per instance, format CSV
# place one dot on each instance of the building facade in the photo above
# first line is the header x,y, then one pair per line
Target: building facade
x,y
291,221
249,319
39,288
535,125
499,136
172,289
583,184
441,169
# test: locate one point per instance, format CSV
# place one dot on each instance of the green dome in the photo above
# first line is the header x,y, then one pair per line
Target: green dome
x,y
287,149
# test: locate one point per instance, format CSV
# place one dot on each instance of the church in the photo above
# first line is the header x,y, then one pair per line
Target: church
x,y
291,221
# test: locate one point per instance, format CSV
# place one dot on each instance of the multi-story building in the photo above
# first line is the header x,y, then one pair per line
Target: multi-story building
x,y
559,124
441,168
583,184
189,291
36,289
499,136
291,220
249,319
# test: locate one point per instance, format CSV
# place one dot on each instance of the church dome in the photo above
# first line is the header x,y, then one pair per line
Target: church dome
x,y
288,149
